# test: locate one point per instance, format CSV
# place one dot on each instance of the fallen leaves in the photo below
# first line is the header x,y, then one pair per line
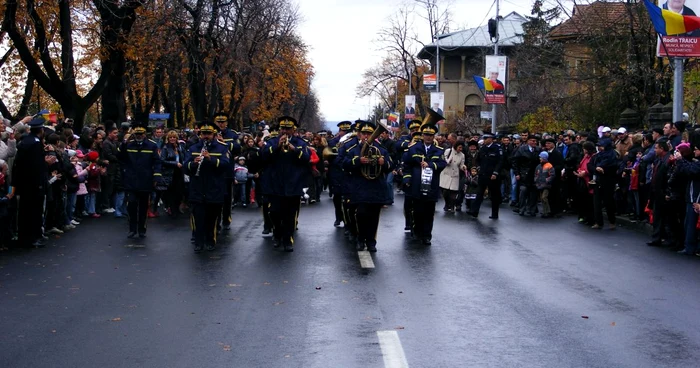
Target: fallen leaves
x,y
116,319
612,324
227,347
233,285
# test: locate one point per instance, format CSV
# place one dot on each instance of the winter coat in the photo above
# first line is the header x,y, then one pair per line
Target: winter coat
x,y
544,175
525,163
82,178
170,158
241,174
8,149
449,177
94,179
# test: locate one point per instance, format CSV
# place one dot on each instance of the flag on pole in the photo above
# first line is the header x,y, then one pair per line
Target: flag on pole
x,y
393,116
667,22
487,85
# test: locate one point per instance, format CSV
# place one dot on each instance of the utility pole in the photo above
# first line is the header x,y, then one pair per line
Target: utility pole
x,y
677,89
437,74
494,109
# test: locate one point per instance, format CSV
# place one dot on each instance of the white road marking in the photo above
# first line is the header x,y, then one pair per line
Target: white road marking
x,y
365,259
392,351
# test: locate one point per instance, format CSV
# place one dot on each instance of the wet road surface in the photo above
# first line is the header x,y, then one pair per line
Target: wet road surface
x,y
507,293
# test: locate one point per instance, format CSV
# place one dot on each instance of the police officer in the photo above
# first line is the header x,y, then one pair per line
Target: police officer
x,y
230,138
288,160
349,209
368,192
490,162
335,172
207,163
141,171
423,162
30,177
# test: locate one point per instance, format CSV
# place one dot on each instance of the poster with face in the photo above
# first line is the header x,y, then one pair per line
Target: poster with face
x,y
437,103
683,45
410,110
496,72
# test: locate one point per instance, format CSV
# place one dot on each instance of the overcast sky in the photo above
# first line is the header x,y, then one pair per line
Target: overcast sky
x,y
342,35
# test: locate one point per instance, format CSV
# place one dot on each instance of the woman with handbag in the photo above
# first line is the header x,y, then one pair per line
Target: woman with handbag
x,y
449,177
172,156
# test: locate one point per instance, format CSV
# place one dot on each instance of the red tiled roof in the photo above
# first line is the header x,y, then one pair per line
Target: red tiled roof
x,y
598,16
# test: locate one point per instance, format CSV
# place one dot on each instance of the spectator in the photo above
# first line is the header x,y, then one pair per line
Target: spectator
x,y
172,156
95,173
241,176
5,197
544,177
604,166
449,177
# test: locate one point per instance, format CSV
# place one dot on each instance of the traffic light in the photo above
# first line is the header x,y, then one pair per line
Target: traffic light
x,y
493,29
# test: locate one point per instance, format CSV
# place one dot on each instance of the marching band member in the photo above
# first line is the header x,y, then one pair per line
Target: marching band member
x,y
415,136
349,209
206,164
141,170
369,184
265,185
423,162
335,173
287,158
230,138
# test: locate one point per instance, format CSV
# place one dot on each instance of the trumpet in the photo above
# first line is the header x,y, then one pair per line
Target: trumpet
x,y
205,147
285,143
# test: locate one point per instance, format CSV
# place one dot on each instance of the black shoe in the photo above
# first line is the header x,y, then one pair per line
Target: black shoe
x,y
336,224
197,248
545,215
492,217
360,246
192,240
352,238
473,214
458,209
372,248
266,231
210,247
277,243
513,204
226,227
132,234
407,228
39,243
142,235
654,243
288,248
426,241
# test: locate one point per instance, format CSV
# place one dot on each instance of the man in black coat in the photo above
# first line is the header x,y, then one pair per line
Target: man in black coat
x,y
490,163
525,161
557,161
30,177
573,153
659,192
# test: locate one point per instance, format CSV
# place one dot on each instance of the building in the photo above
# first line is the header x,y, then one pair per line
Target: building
x,y
462,55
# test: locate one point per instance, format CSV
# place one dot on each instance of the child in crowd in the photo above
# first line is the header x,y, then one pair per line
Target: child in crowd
x,y
632,170
241,176
78,200
94,182
544,175
6,194
472,187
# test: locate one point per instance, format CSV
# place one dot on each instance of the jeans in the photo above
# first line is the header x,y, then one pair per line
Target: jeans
x,y
71,198
513,187
691,219
239,193
390,186
119,205
90,203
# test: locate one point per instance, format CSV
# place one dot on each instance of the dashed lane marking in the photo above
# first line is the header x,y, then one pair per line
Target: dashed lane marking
x,y
365,259
392,351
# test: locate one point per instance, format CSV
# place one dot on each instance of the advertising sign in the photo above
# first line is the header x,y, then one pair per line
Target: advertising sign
x,y
410,110
437,103
496,73
429,82
685,45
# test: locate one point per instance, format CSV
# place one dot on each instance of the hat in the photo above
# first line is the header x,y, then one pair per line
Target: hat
x,y
287,122
606,129
139,128
416,134
621,130
684,149
240,158
680,125
365,126
473,143
544,155
487,135
414,124
37,122
516,136
71,152
428,129
206,127
658,131
345,125
93,156
79,154
220,117
550,140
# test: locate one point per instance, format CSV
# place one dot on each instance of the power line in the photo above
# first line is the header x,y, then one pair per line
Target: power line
x,y
473,33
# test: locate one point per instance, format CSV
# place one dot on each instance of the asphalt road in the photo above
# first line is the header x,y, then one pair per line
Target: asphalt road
x,y
518,292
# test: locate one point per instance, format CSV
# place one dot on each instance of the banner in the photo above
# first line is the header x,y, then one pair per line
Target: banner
x,y
410,111
496,72
429,82
437,103
686,45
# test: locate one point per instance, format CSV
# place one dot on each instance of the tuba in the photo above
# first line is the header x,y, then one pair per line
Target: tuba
x,y
432,117
373,170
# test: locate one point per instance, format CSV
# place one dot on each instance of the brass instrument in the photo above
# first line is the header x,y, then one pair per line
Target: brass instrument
x,y
372,170
332,152
432,117
285,145
205,147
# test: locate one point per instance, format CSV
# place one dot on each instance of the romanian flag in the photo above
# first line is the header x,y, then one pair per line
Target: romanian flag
x,y
671,23
393,116
487,84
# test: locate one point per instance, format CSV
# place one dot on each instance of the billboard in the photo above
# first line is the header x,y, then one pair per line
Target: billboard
x,y
685,45
410,110
437,103
496,72
429,82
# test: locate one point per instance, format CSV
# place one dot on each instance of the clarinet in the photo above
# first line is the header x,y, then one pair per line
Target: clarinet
x,y
199,167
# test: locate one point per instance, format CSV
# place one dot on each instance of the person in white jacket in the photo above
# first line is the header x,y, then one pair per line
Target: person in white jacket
x,y
8,144
449,177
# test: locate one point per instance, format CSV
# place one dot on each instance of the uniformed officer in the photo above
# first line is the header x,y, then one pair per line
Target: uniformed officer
x,y
141,171
349,209
207,163
30,177
288,160
265,186
490,162
423,162
335,172
368,184
415,136
230,138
